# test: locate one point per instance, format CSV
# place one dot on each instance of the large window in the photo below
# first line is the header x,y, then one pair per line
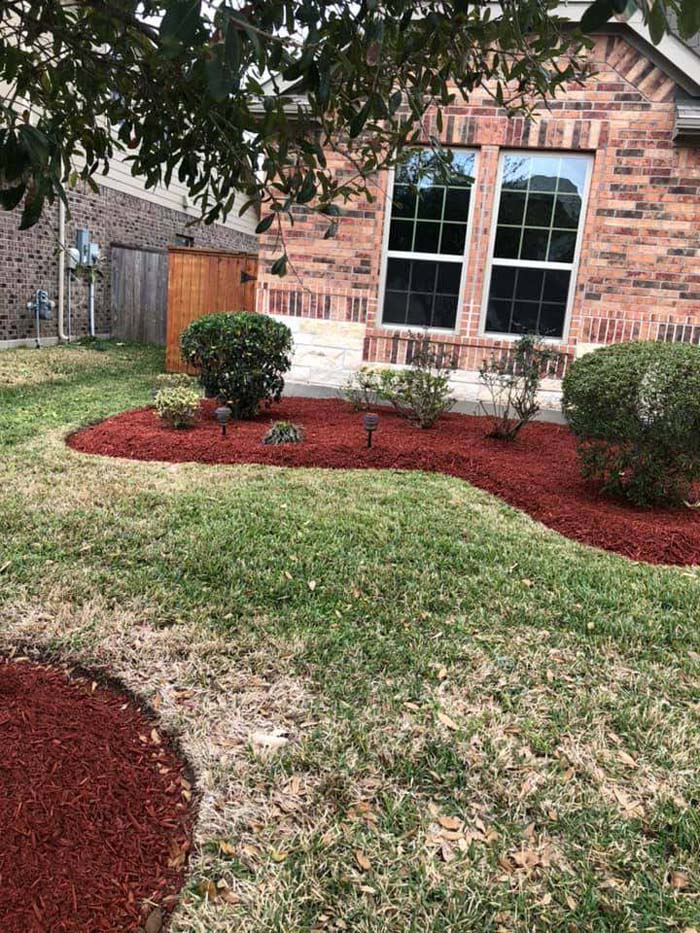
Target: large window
x,y
538,228
426,238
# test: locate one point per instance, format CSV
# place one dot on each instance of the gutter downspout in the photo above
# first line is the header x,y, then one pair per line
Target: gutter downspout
x,y
61,267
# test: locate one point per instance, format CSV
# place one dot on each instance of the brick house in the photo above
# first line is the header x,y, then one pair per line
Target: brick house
x,y
582,224
123,212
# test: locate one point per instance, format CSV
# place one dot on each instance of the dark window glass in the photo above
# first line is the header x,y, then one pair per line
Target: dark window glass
x,y
423,278
539,210
498,316
556,286
401,235
507,242
512,209
395,307
449,276
552,320
525,314
534,244
503,282
529,287
567,211
430,201
398,273
453,235
419,309
562,246
445,311
403,202
457,204
427,237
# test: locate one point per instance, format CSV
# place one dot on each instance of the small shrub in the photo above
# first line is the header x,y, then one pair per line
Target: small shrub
x,y
178,407
421,393
241,358
513,380
363,388
284,432
173,381
635,409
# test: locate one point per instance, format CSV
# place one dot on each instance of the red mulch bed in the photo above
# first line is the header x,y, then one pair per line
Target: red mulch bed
x,y
538,473
93,821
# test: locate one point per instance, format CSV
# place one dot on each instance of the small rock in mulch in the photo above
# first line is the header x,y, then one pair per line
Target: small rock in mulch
x,y
93,821
538,473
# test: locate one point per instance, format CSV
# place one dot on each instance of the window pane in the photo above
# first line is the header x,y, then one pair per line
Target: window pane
x,y
427,237
453,235
539,210
395,307
567,211
552,320
573,175
449,275
529,287
507,242
457,204
562,247
498,316
512,209
556,285
544,173
419,308
516,172
430,202
398,273
401,235
423,278
445,311
525,314
503,282
403,201
534,244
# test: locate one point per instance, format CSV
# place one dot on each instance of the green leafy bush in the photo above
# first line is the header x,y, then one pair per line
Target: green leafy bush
x,y
241,358
635,408
419,393
178,406
173,381
512,379
284,432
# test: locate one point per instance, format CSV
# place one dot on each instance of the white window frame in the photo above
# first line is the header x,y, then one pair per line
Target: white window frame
x,y
430,257
572,267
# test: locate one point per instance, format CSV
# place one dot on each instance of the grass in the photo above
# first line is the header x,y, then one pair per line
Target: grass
x,y
483,726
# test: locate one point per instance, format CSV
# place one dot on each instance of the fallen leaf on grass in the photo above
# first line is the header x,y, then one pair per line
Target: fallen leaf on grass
x,y
267,742
362,860
208,889
446,721
627,759
227,848
679,880
449,822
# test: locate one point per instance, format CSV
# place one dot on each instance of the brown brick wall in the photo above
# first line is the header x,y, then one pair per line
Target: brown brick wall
x,y
639,273
29,259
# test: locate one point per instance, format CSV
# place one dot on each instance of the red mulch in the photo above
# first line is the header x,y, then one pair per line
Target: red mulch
x,y
538,473
93,820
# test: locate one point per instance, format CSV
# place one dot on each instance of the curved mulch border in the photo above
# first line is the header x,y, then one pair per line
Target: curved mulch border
x,y
95,818
538,473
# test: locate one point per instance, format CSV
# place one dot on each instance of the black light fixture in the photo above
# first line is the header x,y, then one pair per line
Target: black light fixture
x,y
370,424
223,416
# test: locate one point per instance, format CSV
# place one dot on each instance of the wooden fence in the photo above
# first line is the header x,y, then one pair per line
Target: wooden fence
x,y
201,282
139,293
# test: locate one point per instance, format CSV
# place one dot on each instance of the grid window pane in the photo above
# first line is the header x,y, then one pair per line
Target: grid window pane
x,y
429,214
527,300
421,293
540,211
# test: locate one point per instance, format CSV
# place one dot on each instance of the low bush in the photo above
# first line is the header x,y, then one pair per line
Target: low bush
x,y
419,393
173,381
284,432
635,408
241,358
512,380
178,406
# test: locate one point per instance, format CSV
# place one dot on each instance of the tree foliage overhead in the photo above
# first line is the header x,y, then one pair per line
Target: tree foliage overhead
x,y
209,93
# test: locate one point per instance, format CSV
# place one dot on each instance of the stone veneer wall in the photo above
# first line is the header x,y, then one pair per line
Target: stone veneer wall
x,y
29,258
639,272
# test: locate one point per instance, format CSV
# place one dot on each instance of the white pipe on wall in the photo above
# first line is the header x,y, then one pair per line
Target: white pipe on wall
x,y
61,268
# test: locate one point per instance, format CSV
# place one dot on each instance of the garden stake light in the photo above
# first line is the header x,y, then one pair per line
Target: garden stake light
x,y
223,416
370,424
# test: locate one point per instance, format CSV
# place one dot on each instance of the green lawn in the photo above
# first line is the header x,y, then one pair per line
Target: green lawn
x,y
488,727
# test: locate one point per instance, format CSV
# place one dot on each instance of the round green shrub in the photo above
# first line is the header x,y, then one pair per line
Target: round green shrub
x,y
241,358
635,409
178,406
173,381
284,432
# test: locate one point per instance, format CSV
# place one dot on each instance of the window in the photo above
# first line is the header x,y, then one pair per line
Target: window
x,y
538,228
427,236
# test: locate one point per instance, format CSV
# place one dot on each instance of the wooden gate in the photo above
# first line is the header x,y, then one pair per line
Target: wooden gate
x,y
139,293
203,281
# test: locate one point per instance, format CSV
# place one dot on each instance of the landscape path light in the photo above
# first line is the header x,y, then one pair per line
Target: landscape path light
x,y
223,416
370,424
